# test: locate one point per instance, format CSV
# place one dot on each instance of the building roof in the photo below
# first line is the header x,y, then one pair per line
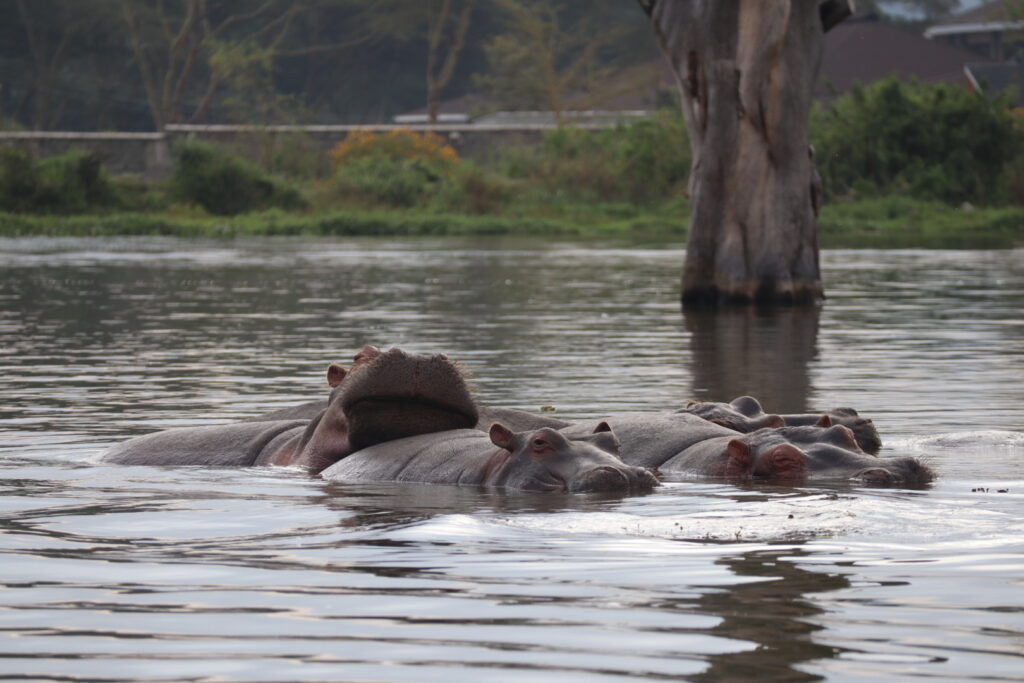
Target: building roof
x,y
991,16
865,51
997,78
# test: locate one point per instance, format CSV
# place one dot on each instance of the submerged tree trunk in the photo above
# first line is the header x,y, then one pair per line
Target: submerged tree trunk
x,y
746,70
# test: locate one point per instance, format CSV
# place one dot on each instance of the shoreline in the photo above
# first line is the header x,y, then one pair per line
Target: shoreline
x,y
893,222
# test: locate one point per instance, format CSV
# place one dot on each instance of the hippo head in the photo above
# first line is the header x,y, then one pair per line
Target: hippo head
x,y
743,414
547,460
393,394
835,455
864,430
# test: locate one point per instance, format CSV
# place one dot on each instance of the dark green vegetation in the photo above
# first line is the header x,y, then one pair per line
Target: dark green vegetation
x,y
947,176
129,65
927,141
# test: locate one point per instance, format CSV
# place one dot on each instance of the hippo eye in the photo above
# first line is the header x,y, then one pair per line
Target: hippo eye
x,y
540,444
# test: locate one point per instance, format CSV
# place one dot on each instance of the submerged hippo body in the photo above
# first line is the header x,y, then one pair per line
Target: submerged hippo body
x,y
745,414
543,460
685,444
384,396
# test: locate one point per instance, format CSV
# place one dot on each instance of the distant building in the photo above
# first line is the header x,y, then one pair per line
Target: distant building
x,y
996,79
864,50
992,30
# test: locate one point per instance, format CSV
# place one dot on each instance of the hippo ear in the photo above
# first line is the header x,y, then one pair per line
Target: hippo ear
x,y
845,412
747,405
501,436
824,421
335,373
773,422
739,449
602,427
844,435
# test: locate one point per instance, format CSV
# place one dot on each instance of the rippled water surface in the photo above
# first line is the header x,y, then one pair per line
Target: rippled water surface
x,y
267,574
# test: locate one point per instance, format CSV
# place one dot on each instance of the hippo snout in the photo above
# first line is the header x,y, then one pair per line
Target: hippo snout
x,y
905,471
607,478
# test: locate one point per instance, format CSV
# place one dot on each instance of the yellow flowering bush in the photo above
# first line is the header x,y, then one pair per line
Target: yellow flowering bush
x,y
398,144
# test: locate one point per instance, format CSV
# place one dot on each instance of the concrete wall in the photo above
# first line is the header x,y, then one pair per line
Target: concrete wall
x,y
148,155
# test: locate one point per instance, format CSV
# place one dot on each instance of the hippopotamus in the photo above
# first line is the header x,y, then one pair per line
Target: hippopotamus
x,y
745,414
682,443
542,460
383,396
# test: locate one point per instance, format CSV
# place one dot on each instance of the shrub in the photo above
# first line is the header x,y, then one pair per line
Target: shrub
x,y
398,144
470,189
399,168
928,141
226,185
384,181
646,161
73,182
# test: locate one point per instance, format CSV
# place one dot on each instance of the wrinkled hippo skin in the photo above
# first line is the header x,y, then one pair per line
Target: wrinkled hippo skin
x,y
745,414
514,419
682,443
384,396
542,460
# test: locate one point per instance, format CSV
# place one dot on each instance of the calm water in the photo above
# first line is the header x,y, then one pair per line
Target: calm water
x,y
137,573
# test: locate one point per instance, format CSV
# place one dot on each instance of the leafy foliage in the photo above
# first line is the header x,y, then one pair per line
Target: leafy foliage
x,y
399,144
74,182
643,162
928,141
226,185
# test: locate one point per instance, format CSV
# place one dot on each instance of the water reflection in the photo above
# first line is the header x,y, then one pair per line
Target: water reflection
x,y
753,351
773,613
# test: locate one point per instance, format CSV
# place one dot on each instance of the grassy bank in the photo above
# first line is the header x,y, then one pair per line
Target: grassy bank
x,y
884,223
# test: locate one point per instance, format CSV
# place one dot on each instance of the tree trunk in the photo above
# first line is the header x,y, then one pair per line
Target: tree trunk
x,y
746,70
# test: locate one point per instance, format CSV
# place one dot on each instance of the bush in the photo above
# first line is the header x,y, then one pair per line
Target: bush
x,y
928,141
399,168
386,182
398,144
226,185
470,189
643,162
73,182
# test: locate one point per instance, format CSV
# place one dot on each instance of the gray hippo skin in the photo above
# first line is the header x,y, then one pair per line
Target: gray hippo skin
x,y
543,460
384,396
514,419
745,414
682,443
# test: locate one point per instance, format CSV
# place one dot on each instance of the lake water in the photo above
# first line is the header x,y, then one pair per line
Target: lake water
x,y
193,575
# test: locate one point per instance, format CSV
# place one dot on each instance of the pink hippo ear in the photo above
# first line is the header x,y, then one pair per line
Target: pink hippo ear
x,y
501,436
335,373
738,462
844,435
824,421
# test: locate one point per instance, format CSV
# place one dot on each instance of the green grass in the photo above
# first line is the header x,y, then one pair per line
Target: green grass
x,y
892,222
883,223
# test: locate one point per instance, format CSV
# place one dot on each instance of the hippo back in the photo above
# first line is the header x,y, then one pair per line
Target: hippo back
x,y
234,445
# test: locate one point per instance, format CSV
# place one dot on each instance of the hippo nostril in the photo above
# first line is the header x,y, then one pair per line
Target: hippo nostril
x,y
602,479
645,479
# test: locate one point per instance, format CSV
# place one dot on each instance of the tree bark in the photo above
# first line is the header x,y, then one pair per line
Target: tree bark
x,y
746,70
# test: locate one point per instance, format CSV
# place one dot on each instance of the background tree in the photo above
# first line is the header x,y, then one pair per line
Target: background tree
x,y
443,25
187,52
746,71
56,33
547,52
